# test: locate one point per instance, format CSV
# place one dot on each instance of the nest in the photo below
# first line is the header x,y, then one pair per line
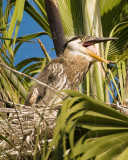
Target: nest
x,y
23,128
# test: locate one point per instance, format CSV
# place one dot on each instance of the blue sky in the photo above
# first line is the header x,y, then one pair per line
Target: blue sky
x,y
27,50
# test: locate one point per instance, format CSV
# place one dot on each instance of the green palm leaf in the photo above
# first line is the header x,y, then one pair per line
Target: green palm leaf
x,y
94,129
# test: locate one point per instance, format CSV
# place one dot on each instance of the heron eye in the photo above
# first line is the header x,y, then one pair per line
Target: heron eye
x,y
83,39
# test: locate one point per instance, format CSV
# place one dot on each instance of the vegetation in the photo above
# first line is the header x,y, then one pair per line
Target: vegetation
x,y
86,127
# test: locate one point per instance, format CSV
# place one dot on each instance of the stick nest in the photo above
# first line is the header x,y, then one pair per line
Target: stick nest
x,y
24,128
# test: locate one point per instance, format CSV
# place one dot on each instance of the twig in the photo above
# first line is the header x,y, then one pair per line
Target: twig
x,y
41,83
19,121
35,106
44,50
13,104
8,124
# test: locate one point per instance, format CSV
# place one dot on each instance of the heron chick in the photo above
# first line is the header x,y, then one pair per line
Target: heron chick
x,y
66,71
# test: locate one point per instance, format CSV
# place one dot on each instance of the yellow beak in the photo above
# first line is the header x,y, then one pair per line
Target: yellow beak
x,y
96,56
93,40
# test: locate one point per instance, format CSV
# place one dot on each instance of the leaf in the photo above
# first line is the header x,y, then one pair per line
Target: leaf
x,y
92,128
71,15
25,62
37,17
103,145
10,143
31,36
112,12
41,6
20,9
123,155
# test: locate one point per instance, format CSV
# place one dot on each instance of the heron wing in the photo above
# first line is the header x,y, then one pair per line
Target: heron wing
x,y
54,76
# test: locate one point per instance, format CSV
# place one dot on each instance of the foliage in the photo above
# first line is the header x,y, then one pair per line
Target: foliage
x,y
86,128
75,22
14,87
